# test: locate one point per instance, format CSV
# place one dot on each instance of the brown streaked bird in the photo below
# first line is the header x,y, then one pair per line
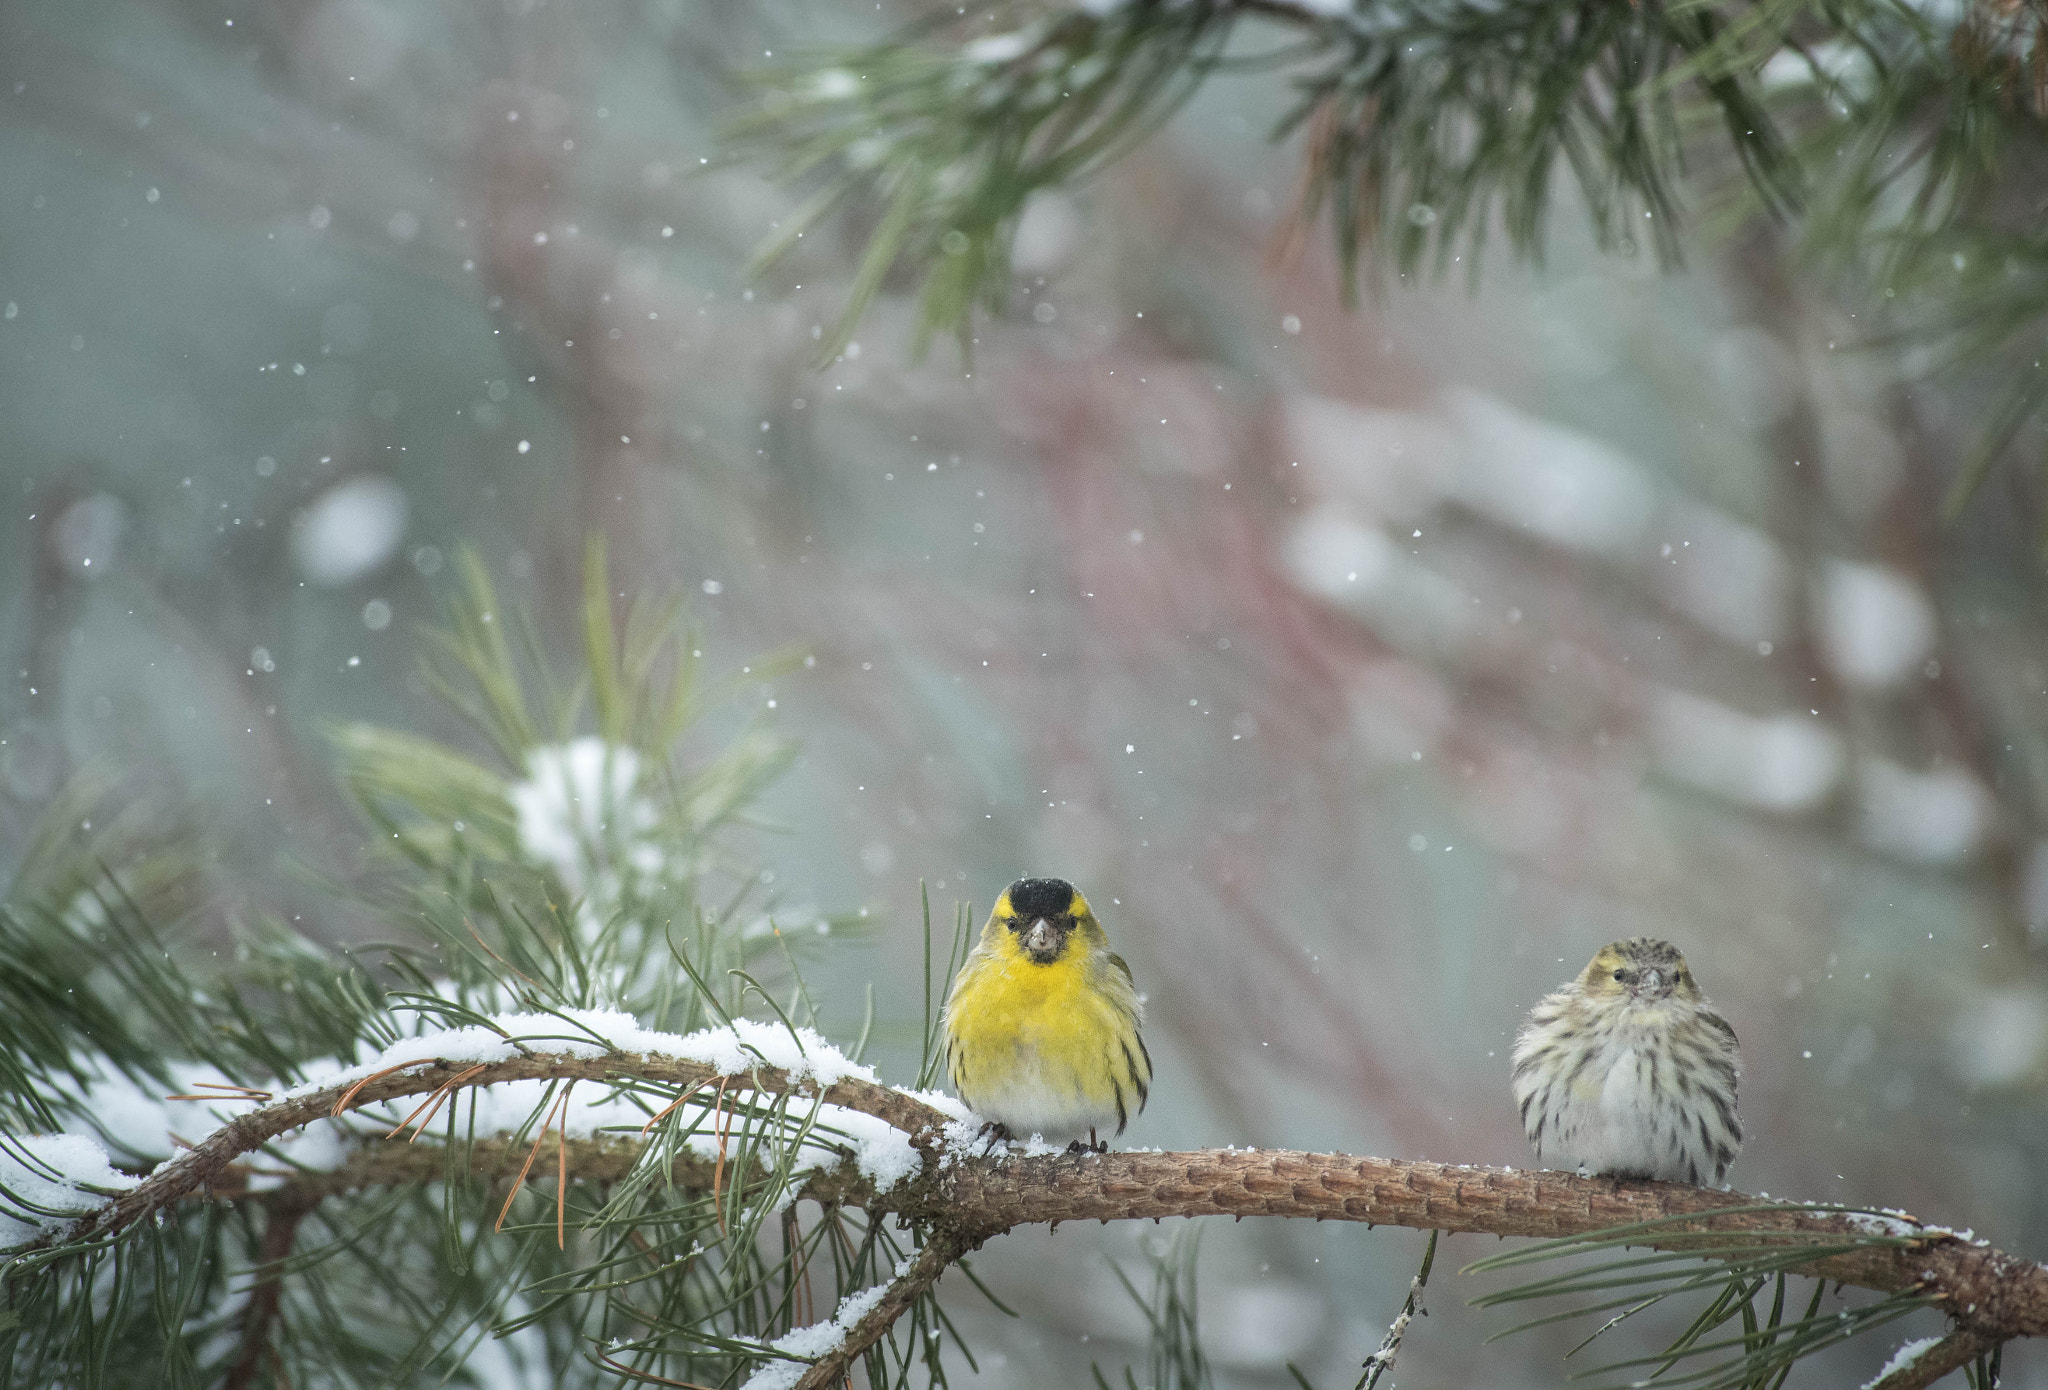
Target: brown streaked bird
x,y
1628,1070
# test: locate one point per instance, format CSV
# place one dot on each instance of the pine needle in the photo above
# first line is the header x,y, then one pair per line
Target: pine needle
x,y
342,1105
432,1104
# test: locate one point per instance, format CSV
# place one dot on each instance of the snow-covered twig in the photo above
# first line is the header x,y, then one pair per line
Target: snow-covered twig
x,y
1382,1361
1918,1364
863,1318
571,1046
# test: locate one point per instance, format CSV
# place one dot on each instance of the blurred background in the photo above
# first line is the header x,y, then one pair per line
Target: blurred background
x,y
1367,668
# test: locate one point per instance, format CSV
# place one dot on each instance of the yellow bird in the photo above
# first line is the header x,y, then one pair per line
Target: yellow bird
x,y
1042,1022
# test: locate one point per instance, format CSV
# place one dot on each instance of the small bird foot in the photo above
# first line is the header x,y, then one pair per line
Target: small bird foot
x,y
1093,1146
994,1132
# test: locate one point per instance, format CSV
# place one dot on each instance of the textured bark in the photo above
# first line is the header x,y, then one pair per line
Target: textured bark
x,y
1997,1294
964,1199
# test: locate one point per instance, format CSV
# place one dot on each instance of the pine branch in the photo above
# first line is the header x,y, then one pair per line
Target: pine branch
x,y
1951,1353
946,1245
2003,1295
394,1162
1425,120
283,1218
1990,1294
1382,1361
1432,128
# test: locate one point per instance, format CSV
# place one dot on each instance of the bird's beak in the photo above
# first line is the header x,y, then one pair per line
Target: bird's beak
x,y
1654,984
1041,936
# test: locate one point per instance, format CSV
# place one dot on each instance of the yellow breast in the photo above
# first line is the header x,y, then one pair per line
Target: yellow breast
x,y
1046,1049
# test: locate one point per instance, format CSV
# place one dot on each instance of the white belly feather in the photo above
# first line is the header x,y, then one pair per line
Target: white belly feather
x,y
1035,1099
1606,1104
1618,1132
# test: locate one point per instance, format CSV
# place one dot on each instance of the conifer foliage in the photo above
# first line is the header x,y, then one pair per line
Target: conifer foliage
x,y
1906,144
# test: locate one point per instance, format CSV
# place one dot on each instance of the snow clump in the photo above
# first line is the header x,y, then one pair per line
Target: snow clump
x,y
1902,1358
50,1180
580,813
819,1339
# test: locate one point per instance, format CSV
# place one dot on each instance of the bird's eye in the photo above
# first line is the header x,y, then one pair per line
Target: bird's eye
x,y
1617,974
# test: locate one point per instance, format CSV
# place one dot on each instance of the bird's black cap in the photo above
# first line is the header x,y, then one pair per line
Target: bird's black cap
x,y
1041,897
